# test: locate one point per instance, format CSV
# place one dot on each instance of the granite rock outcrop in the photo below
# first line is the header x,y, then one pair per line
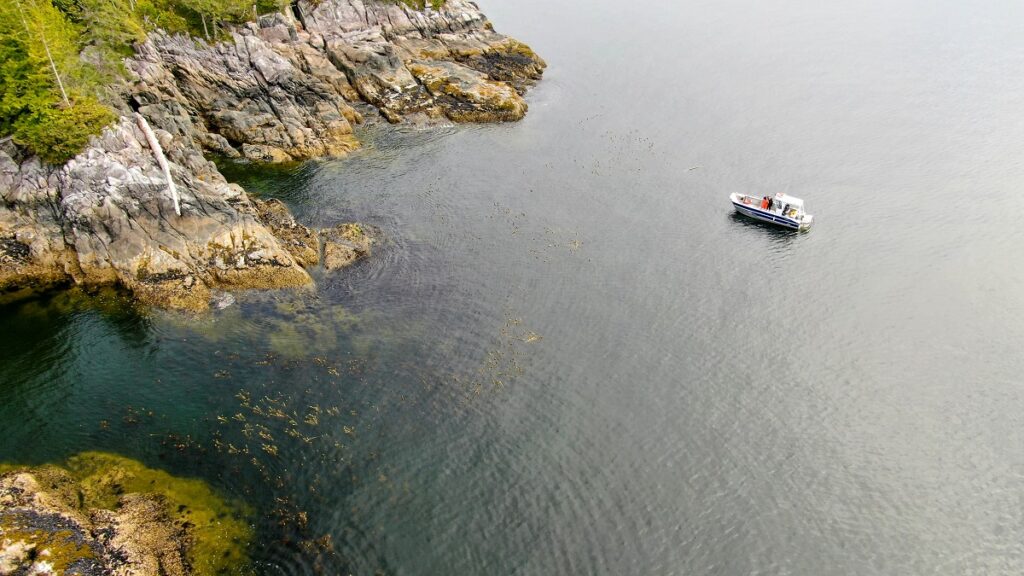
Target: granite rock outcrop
x,y
284,88
288,87
106,217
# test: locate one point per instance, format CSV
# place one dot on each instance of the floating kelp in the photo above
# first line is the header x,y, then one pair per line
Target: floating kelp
x,y
299,433
543,244
503,362
501,365
271,437
98,513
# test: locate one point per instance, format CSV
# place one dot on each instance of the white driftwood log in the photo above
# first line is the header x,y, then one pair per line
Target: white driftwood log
x,y
154,145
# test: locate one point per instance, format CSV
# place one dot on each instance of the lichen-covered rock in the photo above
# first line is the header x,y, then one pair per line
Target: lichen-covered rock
x,y
344,244
101,514
448,62
106,217
381,78
278,90
360,19
240,97
33,252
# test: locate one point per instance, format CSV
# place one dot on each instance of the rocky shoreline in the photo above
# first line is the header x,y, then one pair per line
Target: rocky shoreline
x,y
100,514
283,89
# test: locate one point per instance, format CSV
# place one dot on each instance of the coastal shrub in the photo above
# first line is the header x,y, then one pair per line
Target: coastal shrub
x,y
266,6
46,90
58,59
109,24
155,15
420,4
57,133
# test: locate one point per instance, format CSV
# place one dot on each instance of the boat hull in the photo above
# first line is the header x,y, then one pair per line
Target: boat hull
x,y
755,212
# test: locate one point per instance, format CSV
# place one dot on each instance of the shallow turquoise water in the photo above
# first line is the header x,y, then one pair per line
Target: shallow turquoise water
x,y
568,356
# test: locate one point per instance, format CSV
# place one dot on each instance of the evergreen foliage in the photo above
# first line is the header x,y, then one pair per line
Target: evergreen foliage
x,y
47,94
420,4
58,56
58,133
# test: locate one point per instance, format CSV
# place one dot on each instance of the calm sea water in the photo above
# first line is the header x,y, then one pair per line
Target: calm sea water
x,y
569,357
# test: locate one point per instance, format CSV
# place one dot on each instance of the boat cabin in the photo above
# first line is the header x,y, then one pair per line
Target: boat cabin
x,y
787,205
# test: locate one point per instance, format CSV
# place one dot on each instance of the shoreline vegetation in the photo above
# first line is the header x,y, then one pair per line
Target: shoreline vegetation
x,y
61,57
101,100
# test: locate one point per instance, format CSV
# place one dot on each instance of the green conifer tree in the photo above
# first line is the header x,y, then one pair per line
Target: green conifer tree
x,y
46,101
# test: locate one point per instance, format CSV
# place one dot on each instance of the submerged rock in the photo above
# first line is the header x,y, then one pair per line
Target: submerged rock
x,y
101,514
345,244
221,300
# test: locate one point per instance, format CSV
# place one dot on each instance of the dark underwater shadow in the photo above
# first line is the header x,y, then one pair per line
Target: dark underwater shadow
x,y
37,314
288,181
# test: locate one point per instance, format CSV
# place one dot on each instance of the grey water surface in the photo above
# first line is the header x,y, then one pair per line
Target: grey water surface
x,y
569,357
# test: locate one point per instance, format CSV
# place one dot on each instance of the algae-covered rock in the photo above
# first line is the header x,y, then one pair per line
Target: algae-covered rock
x,y
104,514
468,95
301,242
344,244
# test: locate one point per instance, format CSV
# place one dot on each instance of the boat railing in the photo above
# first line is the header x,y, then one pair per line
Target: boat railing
x,y
747,200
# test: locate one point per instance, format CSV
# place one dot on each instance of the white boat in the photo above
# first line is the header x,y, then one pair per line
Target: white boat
x,y
786,211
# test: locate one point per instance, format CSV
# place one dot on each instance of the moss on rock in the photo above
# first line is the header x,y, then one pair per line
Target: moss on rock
x,y
100,513
344,245
467,95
